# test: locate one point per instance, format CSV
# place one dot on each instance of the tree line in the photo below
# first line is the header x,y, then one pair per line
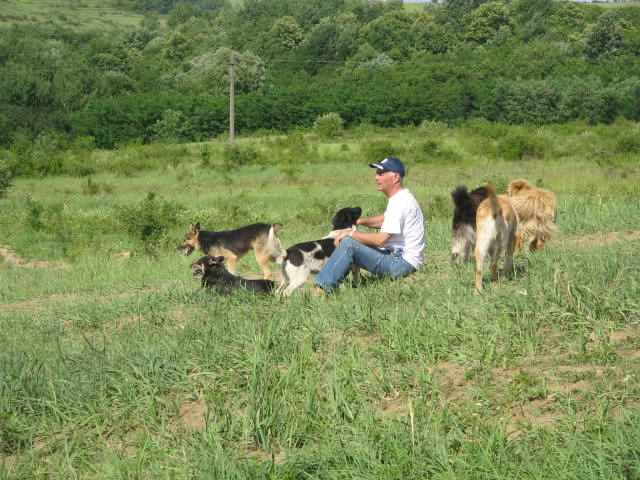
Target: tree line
x,y
519,61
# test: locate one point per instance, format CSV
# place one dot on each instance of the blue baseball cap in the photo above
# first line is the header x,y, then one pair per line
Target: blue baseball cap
x,y
390,164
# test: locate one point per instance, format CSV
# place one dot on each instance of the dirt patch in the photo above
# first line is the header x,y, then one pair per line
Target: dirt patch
x,y
601,238
452,379
276,457
394,405
12,258
193,415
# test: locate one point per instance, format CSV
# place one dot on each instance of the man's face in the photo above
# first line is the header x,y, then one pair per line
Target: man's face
x,y
385,180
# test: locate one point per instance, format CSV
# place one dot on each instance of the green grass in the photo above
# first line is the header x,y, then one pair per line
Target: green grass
x,y
85,15
115,367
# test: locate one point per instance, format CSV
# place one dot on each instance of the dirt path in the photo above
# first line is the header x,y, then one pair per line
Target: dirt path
x,y
12,258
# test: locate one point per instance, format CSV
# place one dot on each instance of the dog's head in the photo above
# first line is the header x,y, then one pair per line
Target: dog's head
x,y
191,240
346,218
519,186
463,238
207,265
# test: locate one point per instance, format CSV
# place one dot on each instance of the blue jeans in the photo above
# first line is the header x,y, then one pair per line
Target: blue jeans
x,y
371,259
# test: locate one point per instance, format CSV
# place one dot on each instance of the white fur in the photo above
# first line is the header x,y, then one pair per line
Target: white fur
x,y
294,277
274,246
464,241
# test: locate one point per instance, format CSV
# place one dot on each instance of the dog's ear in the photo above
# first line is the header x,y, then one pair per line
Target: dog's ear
x,y
276,227
194,227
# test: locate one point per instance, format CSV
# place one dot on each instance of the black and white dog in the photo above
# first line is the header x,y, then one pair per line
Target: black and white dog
x,y
214,275
463,238
305,258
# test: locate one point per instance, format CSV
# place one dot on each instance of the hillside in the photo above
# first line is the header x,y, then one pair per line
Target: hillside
x,y
86,15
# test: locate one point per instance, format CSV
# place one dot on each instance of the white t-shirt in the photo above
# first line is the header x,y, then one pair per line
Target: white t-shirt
x,y
403,219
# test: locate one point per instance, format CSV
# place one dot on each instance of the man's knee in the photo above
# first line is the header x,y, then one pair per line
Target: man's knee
x,y
349,242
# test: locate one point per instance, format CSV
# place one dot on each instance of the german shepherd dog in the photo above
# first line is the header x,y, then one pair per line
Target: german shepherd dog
x,y
234,244
463,239
537,211
305,258
214,275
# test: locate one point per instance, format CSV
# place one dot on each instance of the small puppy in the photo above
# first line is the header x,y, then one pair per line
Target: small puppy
x,y
537,209
463,239
305,258
214,275
234,244
496,226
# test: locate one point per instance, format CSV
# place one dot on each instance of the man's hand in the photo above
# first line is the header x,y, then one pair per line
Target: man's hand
x,y
347,232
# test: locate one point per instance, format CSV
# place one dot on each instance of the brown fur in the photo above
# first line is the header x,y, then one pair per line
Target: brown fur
x,y
496,226
536,208
234,244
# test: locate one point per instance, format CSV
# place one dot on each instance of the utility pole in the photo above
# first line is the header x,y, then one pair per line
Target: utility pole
x,y
232,111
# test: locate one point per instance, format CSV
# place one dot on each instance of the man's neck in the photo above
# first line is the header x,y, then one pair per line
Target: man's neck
x,y
397,188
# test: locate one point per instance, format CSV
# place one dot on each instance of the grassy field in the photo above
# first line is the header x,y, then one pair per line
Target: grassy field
x,y
82,15
114,364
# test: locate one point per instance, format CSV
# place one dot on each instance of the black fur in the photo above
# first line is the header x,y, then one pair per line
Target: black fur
x,y
466,205
324,247
237,241
305,258
215,275
344,218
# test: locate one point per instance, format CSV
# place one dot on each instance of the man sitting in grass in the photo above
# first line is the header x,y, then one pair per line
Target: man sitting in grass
x,y
396,250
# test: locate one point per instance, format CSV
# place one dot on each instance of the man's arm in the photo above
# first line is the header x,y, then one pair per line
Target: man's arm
x,y
377,239
372,222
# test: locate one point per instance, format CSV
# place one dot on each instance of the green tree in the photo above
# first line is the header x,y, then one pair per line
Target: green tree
x,y
391,31
209,73
484,23
284,36
430,36
605,37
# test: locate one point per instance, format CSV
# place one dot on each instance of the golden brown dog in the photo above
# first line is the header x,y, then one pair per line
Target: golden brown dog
x,y
496,226
536,209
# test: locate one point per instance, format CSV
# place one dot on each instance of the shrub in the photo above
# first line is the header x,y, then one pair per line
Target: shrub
x,y
149,221
432,150
516,146
94,188
172,127
378,149
235,155
329,125
628,143
6,177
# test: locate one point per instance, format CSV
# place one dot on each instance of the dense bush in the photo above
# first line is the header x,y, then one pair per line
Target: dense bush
x,y
329,125
6,175
149,221
520,145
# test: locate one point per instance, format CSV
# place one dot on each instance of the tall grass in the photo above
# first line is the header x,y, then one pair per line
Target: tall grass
x,y
122,367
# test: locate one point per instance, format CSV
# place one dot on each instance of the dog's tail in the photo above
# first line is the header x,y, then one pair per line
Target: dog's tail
x,y
496,210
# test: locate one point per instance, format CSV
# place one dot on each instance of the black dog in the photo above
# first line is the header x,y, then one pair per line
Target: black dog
x,y
464,221
215,275
302,259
